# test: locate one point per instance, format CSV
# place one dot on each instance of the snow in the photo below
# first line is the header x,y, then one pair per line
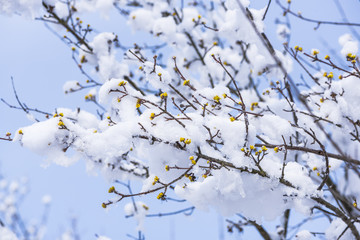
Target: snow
x,y
29,8
161,133
349,45
7,234
303,235
139,211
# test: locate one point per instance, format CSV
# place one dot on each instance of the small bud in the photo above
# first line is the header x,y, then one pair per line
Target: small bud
x,y
161,195
111,189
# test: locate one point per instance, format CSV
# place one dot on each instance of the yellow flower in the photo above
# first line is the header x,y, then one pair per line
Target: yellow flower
x,y
264,148
232,119
355,204
20,132
122,83
297,48
182,139
191,157
314,168
327,57
315,52
216,98
193,162
167,168
138,103
83,59
152,116
161,195
252,147
111,189
156,179
188,141
276,149
163,95
204,176
103,205
186,82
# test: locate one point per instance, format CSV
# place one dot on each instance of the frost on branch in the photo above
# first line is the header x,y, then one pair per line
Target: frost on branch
x,y
211,112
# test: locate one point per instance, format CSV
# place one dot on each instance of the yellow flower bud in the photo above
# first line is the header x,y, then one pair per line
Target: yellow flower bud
x,y
161,195
111,189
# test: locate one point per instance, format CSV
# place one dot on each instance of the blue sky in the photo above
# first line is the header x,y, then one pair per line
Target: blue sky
x,y
40,64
